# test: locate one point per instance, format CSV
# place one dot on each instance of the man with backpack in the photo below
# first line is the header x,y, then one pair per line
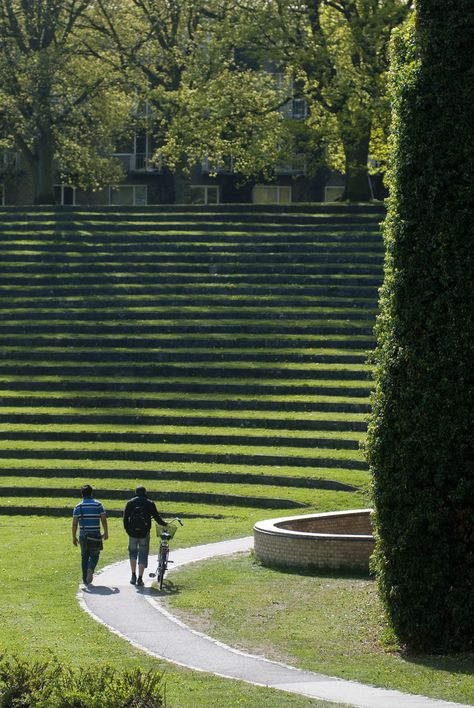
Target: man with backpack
x,y
137,522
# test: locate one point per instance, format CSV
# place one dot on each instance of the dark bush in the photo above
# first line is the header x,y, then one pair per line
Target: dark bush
x,y
48,684
421,435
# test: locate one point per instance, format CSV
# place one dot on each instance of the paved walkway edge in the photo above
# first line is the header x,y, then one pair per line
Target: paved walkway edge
x,y
139,618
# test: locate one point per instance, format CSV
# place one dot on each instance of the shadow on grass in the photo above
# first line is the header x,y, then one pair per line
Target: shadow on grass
x,y
315,572
453,663
169,588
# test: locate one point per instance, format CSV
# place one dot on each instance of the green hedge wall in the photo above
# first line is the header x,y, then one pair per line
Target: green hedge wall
x,y
421,434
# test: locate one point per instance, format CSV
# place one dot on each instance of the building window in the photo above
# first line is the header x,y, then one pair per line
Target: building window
x,y
204,194
299,108
9,159
271,194
333,193
65,195
128,195
296,165
138,162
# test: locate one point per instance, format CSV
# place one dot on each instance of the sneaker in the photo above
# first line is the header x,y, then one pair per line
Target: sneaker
x,y
133,579
140,582
90,575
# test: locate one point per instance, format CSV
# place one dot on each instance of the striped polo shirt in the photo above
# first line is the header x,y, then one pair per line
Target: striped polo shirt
x,y
88,513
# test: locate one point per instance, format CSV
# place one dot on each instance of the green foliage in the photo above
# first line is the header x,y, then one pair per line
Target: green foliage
x,y
48,684
420,443
203,102
230,117
338,52
60,98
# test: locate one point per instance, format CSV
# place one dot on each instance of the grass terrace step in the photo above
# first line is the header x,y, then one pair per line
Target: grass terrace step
x,y
202,256
172,327
250,217
158,250
65,512
187,477
194,212
130,421
300,208
189,346
190,387
167,371
180,439
189,290
212,403
193,497
156,457
70,354
150,314
62,341
143,302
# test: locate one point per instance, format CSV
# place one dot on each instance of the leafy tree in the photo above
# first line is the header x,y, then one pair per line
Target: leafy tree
x,y
337,51
204,103
57,101
420,442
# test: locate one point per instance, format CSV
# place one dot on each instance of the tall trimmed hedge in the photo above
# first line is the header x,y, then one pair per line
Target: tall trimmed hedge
x,y
421,434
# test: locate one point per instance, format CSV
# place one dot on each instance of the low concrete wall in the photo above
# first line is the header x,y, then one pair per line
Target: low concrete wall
x,y
338,539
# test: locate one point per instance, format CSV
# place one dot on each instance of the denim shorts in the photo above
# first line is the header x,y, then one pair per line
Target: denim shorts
x,y
138,548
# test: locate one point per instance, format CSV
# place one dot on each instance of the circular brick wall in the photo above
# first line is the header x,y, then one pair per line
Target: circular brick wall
x,y
337,539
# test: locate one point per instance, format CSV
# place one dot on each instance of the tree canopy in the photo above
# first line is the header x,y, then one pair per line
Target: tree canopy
x,y
71,70
337,52
58,101
204,103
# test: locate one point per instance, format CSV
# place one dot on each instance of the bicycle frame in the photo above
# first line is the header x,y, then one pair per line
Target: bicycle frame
x,y
163,552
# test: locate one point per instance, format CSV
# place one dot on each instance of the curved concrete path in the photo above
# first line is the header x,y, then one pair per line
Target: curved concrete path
x,y
139,617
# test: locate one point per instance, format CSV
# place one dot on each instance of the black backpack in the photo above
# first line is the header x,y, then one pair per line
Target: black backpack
x,y
139,521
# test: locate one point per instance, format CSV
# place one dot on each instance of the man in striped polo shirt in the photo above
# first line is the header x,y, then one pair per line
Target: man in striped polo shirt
x,y
89,515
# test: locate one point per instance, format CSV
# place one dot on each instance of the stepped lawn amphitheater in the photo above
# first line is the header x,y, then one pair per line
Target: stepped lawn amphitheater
x,y
215,354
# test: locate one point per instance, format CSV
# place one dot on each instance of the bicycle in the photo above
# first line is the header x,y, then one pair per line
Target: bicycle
x,y
163,552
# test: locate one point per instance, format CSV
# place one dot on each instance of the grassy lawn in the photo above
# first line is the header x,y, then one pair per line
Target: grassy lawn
x,y
322,622
40,613
188,318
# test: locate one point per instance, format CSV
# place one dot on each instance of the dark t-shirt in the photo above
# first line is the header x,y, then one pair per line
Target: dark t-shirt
x,y
149,511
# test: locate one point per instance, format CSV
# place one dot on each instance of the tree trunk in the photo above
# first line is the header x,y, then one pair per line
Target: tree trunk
x,y
182,184
355,139
43,173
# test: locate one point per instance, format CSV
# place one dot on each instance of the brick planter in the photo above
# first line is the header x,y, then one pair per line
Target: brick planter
x,y
338,539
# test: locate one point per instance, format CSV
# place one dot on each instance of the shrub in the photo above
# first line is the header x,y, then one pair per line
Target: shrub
x,y
420,444
47,684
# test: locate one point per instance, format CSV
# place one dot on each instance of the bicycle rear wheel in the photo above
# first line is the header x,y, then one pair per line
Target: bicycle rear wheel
x,y
162,565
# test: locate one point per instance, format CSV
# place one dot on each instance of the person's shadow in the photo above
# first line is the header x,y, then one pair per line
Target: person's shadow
x,y
169,588
101,590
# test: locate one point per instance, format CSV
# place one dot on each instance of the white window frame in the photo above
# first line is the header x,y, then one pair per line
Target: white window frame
x,y
62,187
206,188
276,189
296,165
133,187
299,108
333,192
9,159
139,161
